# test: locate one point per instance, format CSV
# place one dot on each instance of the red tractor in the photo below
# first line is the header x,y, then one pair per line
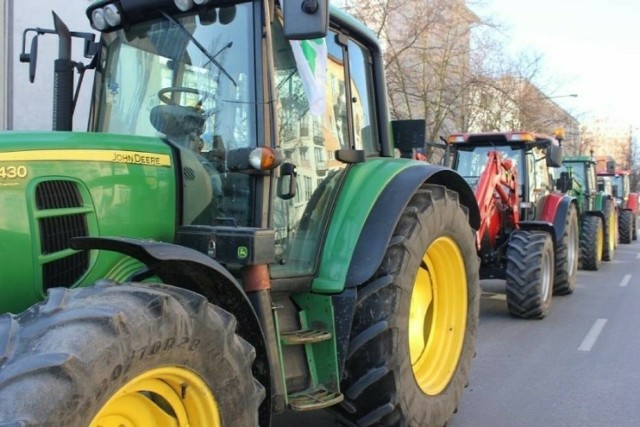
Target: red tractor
x,y
528,234
626,201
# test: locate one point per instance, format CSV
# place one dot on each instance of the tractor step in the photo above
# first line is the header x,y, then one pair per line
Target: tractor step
x,y
304,336
314,399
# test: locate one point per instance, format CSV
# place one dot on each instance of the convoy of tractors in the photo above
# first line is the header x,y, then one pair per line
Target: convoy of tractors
x,y
229,240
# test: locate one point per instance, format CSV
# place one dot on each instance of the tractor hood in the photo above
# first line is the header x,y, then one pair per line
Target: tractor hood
x,y
60,185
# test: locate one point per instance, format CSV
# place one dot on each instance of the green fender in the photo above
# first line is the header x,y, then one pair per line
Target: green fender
x,y
601,200
369,205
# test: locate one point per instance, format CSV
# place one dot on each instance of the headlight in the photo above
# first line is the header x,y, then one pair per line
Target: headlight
x,y
183,5
112,15
98,19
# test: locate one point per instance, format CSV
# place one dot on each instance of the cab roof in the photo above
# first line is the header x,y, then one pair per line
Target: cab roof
x,y
501,138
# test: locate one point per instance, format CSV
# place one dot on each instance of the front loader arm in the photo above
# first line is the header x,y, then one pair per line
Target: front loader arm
x,y
497,190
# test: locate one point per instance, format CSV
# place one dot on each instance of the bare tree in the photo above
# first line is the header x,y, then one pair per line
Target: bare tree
x,y
448,66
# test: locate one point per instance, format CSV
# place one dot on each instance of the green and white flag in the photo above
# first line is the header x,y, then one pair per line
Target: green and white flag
x,y
311,60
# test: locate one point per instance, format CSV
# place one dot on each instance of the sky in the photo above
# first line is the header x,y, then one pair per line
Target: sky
x,y
589,47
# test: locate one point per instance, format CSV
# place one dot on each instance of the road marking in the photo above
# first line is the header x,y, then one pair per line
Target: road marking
x,y
495,296
638,255
625,280
592,335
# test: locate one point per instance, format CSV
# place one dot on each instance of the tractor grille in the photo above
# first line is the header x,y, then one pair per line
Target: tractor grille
x,y
65,271
56,231
57,226
58,195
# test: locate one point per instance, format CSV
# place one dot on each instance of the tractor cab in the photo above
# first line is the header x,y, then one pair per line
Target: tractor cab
x,y
531,156
580,181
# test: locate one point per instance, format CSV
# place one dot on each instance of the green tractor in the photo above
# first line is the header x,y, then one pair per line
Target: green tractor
x,y
598,218
626,201
233,237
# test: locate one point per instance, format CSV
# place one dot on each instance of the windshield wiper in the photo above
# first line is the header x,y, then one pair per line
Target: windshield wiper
x,y
211,58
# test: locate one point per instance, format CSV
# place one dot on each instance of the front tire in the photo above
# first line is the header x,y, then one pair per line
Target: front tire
x,y
591,243
126,355
414,330
529,274
625,226
567,255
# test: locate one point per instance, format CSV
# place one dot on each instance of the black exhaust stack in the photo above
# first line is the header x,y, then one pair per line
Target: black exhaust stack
x,y
63,78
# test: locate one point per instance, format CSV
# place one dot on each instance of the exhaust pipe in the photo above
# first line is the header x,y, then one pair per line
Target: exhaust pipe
x,y
62,78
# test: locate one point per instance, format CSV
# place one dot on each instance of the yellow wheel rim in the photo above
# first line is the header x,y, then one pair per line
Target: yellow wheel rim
x,y
438,316
161,397
612,231
599,243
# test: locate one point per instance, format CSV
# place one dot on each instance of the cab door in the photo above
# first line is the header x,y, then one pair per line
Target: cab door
x,y
311,128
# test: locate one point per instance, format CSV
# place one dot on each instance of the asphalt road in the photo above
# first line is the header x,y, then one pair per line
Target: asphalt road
x,y
580,366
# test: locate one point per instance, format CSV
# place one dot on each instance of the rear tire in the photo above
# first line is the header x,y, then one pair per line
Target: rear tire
x,y
625,226
402,369
567,255
144,354
591,243
529,274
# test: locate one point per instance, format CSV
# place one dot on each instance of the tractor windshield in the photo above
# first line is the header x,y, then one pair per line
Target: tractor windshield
x,y
617,186
187,78
577,171
471,160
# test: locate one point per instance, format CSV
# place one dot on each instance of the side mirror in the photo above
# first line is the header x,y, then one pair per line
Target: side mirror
x,y
407,135
31,57
554,156
305,19
564,183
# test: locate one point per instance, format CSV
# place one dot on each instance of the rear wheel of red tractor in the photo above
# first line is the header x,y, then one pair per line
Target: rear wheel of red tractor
x,y
529,274
625,226
413,333
127,355
567,255
591,243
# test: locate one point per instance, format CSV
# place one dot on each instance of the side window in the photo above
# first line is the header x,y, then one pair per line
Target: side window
x,y
538,173
308,137
591,177
362,98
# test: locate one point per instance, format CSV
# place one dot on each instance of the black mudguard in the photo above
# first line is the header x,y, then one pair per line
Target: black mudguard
x,y
542,226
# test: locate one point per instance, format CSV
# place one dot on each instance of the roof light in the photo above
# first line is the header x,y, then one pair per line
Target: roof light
x,y
183,5
265,158
98,19
456,138
112,15
523,136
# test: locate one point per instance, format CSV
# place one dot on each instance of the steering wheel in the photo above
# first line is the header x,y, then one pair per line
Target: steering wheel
x,y
163,94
